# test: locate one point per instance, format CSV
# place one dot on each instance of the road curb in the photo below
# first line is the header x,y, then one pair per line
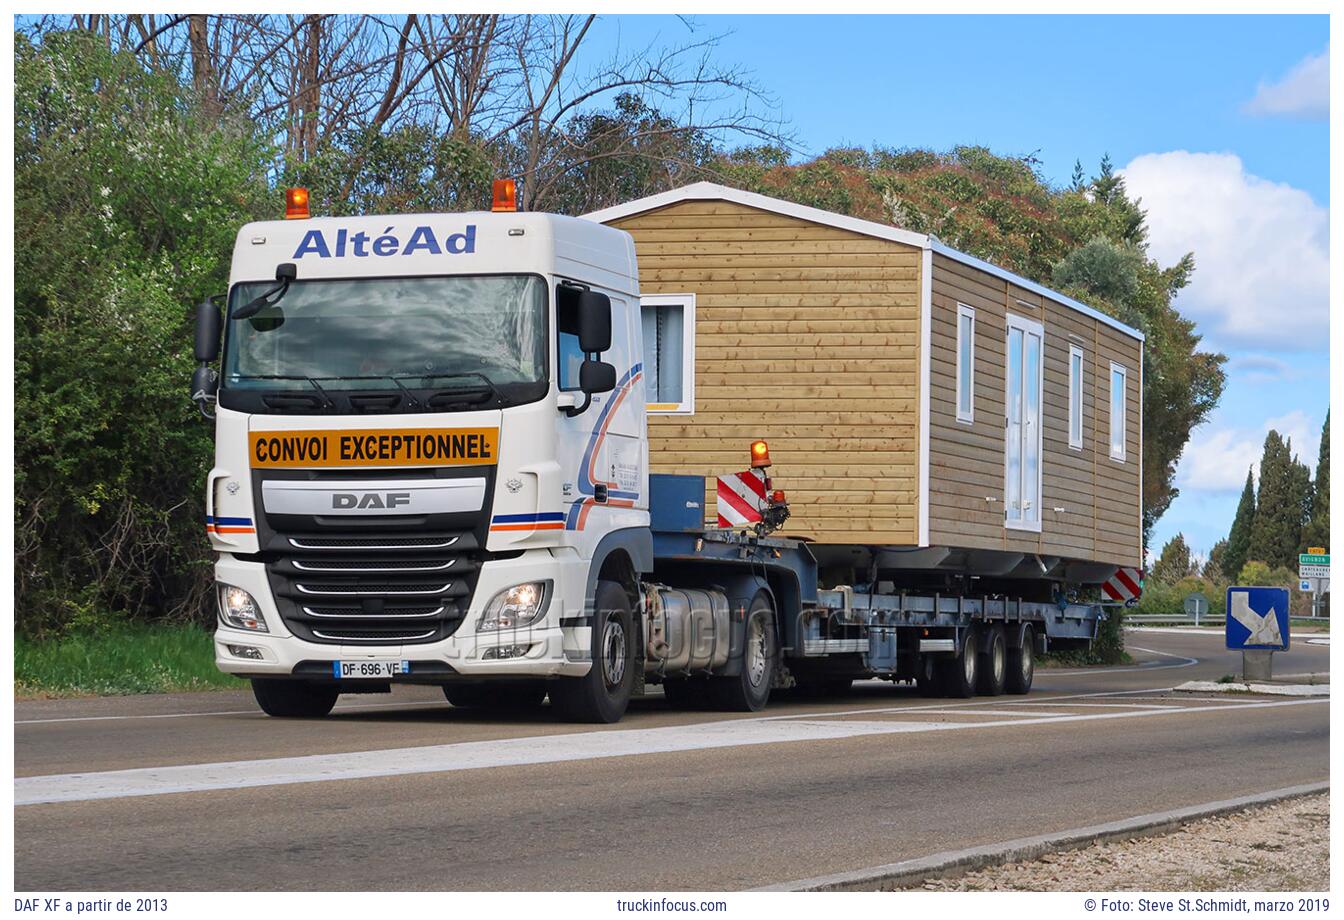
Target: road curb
x,y
957,862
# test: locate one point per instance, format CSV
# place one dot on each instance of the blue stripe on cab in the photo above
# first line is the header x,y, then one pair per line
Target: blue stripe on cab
x,y
528,518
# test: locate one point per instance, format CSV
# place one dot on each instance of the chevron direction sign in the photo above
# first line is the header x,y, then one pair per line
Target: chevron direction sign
x,y
1257,618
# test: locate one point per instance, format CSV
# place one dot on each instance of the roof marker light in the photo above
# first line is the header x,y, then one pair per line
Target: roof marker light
x,y
296,204
505,196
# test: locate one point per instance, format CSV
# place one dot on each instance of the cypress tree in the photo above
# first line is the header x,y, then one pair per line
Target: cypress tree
x,y
1280,508
1238,546
1174,563
1317,531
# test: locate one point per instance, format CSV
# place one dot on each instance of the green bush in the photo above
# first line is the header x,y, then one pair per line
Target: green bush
x,y
126,204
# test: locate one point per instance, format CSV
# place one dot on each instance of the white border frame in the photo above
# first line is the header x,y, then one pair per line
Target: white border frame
x,y
968,418
1077,395
687,303
925,362
1027,327
1124,409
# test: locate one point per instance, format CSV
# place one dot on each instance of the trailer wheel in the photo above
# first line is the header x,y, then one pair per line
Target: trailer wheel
x,y
1022,663
993,664
602,694
499,695
294,699
959,672
750,690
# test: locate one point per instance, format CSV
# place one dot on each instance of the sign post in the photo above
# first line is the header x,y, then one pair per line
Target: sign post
x,y
1196,605
1313,569
1257,626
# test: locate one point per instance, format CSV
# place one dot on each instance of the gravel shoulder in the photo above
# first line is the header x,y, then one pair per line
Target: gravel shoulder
x,y
1279,847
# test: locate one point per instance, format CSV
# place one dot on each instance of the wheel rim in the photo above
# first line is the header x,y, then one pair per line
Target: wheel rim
x,y
1000,665
1028,657
968,661
613,653
755,652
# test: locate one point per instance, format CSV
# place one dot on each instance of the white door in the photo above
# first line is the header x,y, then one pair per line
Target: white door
x,y
1022,448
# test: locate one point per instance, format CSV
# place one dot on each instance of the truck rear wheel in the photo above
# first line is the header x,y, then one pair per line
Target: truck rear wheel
x,y
749,690
603,694
1022,663
510,695
959,672
294,699
993,664
928,678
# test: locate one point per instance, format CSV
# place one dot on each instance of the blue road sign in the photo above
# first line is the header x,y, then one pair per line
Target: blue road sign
x,y
1257,618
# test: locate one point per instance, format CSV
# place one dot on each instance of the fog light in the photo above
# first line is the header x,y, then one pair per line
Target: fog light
x,y
244,651
239,609
521,605
501,652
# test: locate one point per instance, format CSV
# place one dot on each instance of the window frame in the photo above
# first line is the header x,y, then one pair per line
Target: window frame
x,y
966,417
1124,409
687,303
1026,326
1076,390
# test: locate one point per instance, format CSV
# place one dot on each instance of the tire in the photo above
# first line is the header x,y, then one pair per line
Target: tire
x,y
928,679
1022,664
958,674
686,693
294,699
749,690
603,694
497,695
993,664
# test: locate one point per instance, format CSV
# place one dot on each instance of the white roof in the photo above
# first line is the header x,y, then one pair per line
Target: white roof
x,y
712,191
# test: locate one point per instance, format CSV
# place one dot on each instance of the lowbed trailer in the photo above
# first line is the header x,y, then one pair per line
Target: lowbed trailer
x,y
948,644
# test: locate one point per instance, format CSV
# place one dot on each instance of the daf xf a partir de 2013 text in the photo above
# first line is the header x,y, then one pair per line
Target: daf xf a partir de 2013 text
x,y
432,467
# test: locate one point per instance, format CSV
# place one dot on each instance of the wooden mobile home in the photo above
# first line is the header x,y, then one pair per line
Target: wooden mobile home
x,y
914,397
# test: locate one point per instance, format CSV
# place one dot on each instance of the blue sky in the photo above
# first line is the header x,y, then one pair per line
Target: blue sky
x,y
1219,123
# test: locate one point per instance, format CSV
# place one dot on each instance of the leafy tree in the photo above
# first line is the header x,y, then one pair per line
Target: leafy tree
x,y
1213,569
1317,531
1281,505
126,204
1174,562
1239,539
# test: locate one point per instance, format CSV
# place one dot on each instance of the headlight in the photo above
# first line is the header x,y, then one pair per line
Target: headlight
x,y
521,605
239,609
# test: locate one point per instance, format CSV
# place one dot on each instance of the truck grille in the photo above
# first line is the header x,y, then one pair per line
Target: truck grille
x,y
374,588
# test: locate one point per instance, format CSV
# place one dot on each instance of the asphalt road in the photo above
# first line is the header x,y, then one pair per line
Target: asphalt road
x,y
184,792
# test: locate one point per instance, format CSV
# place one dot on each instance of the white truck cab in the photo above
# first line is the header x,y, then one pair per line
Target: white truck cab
x,y
429,446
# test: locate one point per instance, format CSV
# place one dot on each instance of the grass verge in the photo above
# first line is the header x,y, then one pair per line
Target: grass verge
x,y
124,659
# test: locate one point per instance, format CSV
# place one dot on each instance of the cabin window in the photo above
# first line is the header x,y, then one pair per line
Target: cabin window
x,y
1119,378
1075,397
965,363
669,353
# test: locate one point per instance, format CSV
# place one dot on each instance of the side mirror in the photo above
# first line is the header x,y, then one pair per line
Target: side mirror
x,y
204,389
594,323
209,328
597,377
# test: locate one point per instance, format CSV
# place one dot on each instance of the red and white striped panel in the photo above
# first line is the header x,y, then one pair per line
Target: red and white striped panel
x,y
741,498
1124,585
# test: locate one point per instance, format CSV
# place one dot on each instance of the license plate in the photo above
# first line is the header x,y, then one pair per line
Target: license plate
x,y
371,668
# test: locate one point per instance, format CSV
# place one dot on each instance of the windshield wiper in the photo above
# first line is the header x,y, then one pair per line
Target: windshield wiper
x,y
441,397
327,400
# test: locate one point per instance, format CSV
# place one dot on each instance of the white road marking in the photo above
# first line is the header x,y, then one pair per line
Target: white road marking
x,y
476,755
1181,662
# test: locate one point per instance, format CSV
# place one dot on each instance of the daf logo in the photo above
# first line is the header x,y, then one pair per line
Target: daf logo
x,y
383,501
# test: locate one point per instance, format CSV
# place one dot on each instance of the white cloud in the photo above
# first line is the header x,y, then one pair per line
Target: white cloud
x,y
1217,460
1262,266
1303,92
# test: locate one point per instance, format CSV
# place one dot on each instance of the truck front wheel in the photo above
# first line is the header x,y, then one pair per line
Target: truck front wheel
x,y
603,694
749,690
294,699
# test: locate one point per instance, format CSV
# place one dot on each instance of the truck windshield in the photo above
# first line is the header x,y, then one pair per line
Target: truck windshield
x,y
405,336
